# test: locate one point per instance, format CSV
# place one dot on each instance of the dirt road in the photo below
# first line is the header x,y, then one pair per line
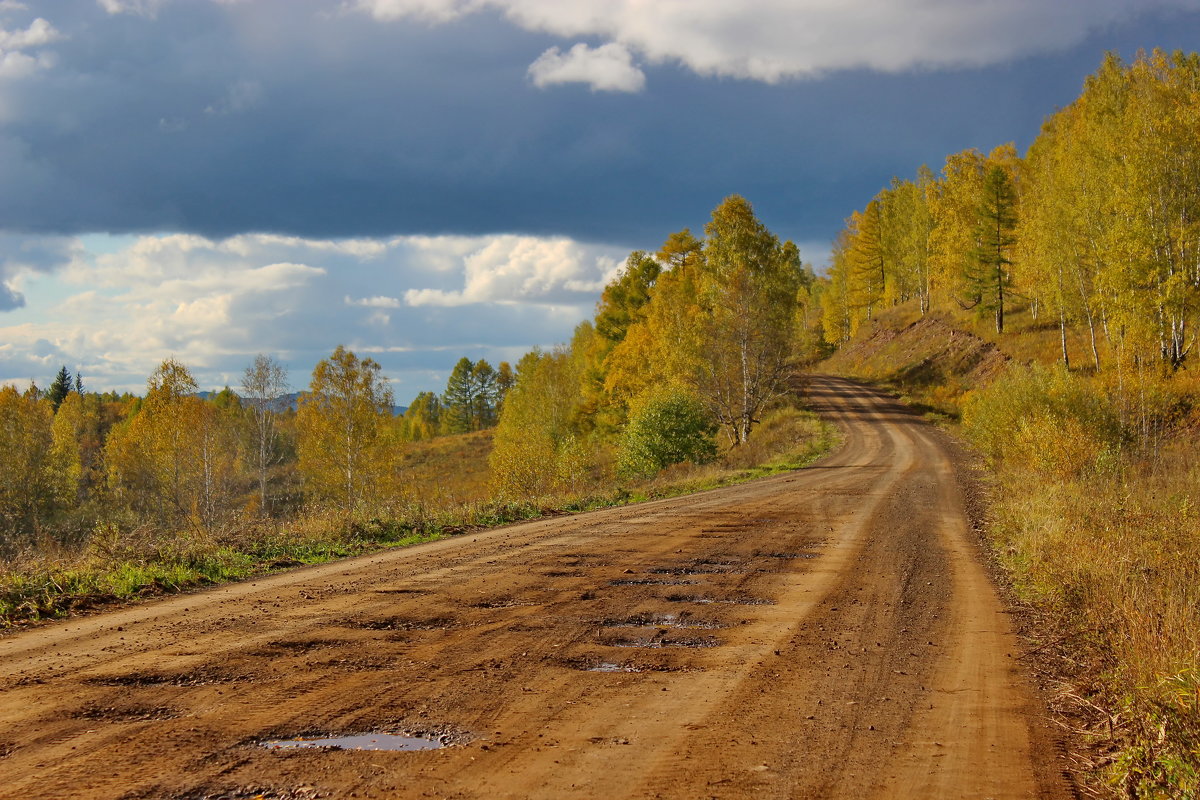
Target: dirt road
x,y
824,633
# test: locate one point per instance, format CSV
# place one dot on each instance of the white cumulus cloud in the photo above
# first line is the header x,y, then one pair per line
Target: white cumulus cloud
x,y
770,40
40,32
608,68
14,61
524,269
141,8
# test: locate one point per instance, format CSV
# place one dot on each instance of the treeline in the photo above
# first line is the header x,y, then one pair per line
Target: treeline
x,y
74,463
1095,231
695,339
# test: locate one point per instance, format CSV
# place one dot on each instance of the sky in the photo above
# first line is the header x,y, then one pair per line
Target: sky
x,y
420,180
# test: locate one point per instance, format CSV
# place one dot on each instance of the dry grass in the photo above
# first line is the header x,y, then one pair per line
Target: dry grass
x,y
1104,535
449,470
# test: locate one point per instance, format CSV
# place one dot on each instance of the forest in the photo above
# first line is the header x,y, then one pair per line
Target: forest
x,y
1079,262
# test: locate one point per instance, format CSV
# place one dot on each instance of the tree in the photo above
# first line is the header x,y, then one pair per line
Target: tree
x,y
505,380
29,485
537,447
459,407
343,425
422,418
175,457
989,275
748,283
60,387
264,384
625,296
73,420
867,259
483,404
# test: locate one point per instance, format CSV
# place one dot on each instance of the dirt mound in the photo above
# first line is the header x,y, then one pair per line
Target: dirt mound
x,y
926,356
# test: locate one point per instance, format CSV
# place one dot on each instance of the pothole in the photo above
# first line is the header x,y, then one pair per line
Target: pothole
x,y
611,666
402,590
253,793
650,582
702,569
788,556
682,620
406,624
658,642
595,662
306,646
501,602
362,741
137,679
126,713
740,600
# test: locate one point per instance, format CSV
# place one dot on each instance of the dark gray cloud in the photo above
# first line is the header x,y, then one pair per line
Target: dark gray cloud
x,y
292,117
29,254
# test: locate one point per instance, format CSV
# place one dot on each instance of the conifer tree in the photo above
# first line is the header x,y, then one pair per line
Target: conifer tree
x,y
989,274
60,387
459,400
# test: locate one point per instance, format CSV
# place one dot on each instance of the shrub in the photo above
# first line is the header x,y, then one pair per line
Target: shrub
x,y
1047,420
666,426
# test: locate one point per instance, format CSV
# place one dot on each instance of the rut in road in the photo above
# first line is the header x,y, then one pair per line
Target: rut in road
x,y
823,633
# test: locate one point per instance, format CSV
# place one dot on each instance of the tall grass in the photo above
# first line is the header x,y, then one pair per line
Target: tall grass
x,y
1104,533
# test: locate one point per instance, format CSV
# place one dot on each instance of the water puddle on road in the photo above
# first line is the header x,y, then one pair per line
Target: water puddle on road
x,y
367,741
655,642
608,666
736,600
651,582
662,621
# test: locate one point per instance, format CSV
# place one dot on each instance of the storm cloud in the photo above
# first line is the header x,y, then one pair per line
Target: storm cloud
x,y
424,179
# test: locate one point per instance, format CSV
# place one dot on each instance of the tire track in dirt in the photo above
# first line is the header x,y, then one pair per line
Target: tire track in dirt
x,y
844,641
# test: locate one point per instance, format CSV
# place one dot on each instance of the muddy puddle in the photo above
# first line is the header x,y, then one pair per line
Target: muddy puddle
x,y
678,621
740,600
789,556
611,666
405,624
651,582
253,793
693,569
655,642
365,741
502,602
600,664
